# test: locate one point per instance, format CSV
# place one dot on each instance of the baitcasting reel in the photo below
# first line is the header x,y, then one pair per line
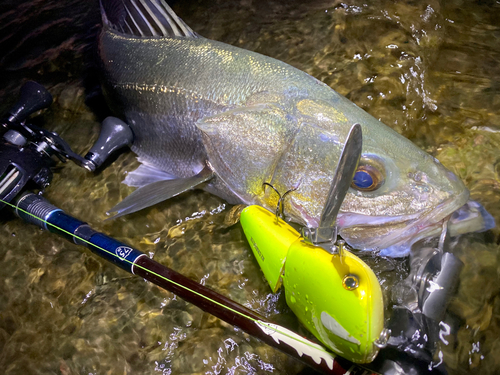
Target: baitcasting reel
x,y
27,152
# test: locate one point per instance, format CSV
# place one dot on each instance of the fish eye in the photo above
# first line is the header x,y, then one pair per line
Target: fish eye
x,y
367,177
350,282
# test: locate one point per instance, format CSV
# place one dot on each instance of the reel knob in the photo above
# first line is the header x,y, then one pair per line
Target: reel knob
x,y
114,135
32,98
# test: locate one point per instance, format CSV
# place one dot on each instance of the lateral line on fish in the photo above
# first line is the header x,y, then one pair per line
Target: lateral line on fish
x,y
155,88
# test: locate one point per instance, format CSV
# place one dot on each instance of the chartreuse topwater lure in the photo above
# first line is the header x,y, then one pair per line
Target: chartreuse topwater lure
x,y
333,292
336,296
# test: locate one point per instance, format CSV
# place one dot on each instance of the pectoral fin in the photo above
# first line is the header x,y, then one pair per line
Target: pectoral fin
x,y
158,191
146,175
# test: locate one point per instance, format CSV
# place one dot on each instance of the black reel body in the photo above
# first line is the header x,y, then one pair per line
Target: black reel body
x,y
28,153
22,167
23,163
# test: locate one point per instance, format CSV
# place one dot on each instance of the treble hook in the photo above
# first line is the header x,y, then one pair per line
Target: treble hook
x,y
280,208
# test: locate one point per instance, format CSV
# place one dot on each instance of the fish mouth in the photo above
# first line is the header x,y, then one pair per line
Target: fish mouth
x,y
397,233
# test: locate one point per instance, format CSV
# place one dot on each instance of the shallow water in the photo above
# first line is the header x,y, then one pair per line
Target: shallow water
x,y
429,69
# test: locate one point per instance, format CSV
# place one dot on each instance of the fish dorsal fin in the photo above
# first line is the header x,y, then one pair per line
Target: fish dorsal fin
x,y
144,18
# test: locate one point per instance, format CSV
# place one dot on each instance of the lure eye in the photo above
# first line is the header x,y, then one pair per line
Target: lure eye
x,y
350,282
367,178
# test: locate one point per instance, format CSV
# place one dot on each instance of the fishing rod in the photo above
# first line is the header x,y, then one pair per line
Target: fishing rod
x,y
27,154
37,210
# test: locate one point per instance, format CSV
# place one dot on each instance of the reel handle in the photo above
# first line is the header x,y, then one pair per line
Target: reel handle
x,y
33,97
114,135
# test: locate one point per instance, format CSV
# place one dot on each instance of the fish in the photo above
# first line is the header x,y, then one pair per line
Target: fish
x,y
213,116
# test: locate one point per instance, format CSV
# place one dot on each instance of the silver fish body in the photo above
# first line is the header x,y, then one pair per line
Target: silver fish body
x,y
177,82
254,119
